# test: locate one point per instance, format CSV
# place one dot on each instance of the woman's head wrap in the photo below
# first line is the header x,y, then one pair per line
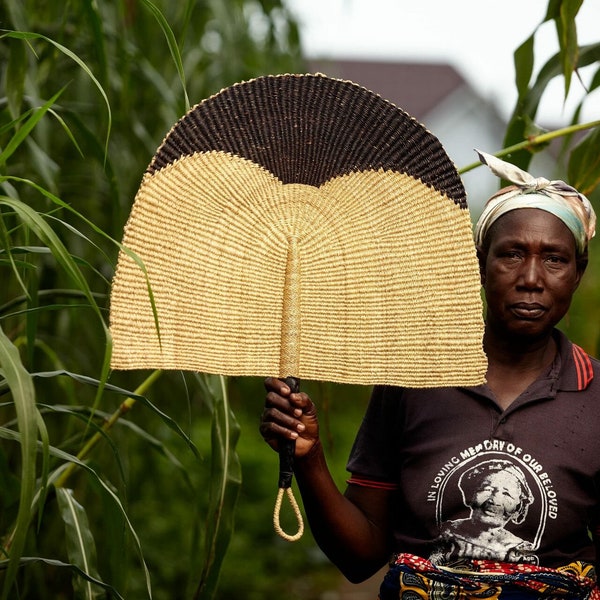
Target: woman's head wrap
x,y
555,197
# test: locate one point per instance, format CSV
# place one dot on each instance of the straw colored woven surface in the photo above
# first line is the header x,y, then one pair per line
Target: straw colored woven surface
x,y
369,278
301,225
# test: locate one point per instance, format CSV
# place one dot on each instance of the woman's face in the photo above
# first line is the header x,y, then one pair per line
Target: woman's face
x,y
497,499
529,272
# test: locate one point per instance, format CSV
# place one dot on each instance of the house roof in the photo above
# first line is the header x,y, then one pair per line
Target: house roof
x,y
417,88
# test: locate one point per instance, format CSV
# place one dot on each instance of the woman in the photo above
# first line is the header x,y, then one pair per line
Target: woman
x,y
539,413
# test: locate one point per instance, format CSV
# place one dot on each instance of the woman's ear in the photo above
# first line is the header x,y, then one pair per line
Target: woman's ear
x,y
481,258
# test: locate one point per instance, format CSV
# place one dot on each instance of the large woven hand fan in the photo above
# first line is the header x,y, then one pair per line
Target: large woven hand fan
x,y
298,225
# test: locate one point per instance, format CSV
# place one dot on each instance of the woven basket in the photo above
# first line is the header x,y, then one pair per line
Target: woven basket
x,y
301,225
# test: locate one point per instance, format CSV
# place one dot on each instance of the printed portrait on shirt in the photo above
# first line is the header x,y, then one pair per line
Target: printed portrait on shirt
x,y
490,507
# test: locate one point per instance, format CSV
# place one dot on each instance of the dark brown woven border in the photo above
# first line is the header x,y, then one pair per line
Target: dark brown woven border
x,y
310,128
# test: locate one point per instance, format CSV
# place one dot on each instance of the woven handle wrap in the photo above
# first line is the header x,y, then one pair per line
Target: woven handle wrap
x,y
286,473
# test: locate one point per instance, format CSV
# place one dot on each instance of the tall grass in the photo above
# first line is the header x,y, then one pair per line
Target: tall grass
x,y
89,90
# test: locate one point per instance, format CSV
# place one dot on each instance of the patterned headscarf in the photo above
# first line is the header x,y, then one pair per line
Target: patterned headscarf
x,y
555,197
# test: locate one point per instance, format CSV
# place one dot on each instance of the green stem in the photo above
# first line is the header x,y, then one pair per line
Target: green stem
x,y
125,407
536,141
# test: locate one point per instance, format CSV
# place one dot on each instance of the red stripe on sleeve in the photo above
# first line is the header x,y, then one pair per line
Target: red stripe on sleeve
x,y
372,483
583,365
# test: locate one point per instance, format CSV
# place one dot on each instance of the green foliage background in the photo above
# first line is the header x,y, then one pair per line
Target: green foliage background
x,y
138,485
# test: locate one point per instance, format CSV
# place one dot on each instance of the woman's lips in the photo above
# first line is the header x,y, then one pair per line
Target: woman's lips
x,y
528,310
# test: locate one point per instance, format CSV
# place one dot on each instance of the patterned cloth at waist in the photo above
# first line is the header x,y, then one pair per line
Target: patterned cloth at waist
x,y
413,578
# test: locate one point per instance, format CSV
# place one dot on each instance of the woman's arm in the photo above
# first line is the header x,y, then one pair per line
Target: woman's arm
x,y
353,529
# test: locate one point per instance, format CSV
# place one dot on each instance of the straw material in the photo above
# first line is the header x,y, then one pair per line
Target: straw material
x,y
300,225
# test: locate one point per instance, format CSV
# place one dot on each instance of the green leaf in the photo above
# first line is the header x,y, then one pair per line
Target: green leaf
x,y
173,47
27,35
45,233
81,547
526,109
524,61
595,83
66,129
24,131
31,560
32,315
15,77
21,387
43,479
6,127
93,17
567,39
584,163
5,241
225,483
173,425
85,413
67,458
553,10
36,223
29,215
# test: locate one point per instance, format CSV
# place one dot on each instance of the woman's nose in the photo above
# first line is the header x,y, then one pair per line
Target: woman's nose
x,y
531,272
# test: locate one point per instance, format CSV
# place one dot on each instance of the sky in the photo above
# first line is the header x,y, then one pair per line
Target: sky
x,y
477,37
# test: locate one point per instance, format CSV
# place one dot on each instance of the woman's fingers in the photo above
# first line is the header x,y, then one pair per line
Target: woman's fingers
x,y
288,415
280,396
274,422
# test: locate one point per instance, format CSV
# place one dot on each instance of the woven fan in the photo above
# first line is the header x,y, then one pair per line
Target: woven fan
x,y
299,225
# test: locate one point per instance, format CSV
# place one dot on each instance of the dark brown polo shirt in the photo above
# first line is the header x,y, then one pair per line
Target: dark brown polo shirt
x,y
473,481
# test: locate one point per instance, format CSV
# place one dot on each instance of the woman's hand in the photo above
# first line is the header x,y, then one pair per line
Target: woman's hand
x,y
290,416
